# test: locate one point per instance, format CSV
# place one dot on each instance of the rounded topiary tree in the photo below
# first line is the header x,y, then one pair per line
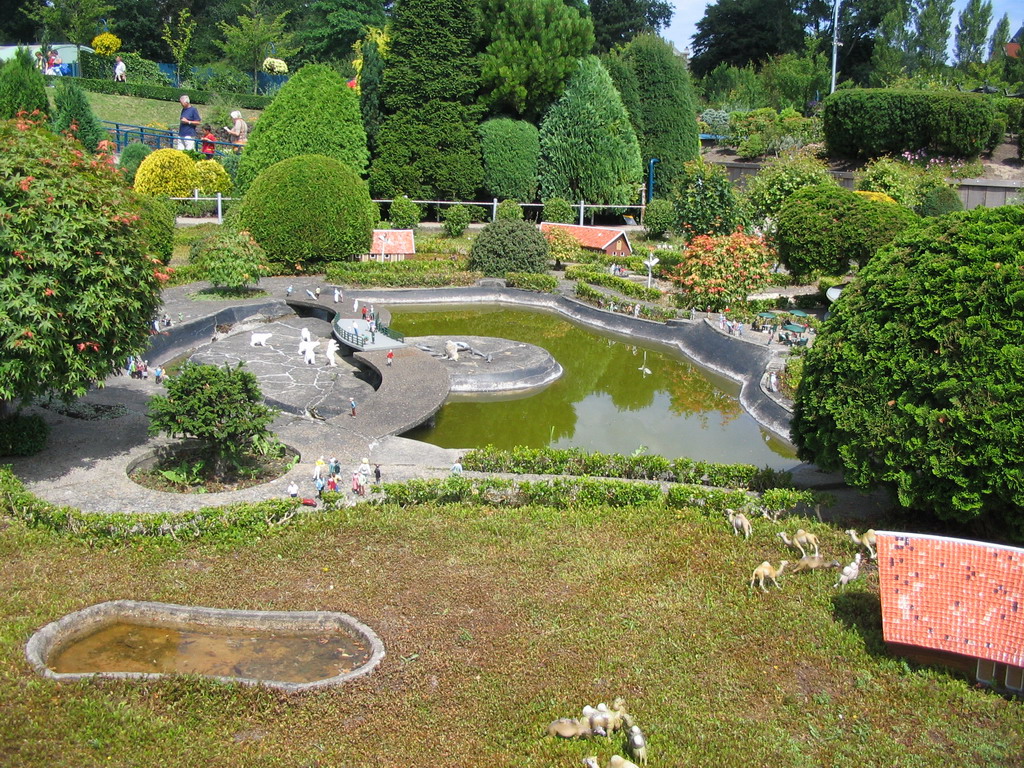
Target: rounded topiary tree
x,y
780,177
916,380
509,246
659,217
211,178
314,113
510,149
77,287
559,211
404,213
228,259
157,218
308,208
705,202
509,210
456,219
131,158
822,230
938,201
168,172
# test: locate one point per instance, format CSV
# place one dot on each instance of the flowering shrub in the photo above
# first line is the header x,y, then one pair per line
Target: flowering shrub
x,y
211,178
878,197
77,287
167,172
106,44
718,270
274,66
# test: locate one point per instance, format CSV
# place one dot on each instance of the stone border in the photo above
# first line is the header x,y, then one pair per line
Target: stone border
x,y
88,620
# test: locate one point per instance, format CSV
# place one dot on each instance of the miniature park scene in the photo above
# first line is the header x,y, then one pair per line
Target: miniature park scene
x,y
497,383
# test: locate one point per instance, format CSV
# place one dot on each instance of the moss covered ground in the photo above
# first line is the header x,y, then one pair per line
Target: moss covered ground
x,y
497,621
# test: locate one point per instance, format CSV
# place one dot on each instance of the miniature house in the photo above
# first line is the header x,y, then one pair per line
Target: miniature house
x,y
391,245
954,602
606,240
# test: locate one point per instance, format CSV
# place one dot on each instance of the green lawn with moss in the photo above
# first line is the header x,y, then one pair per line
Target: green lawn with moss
x,y
497,621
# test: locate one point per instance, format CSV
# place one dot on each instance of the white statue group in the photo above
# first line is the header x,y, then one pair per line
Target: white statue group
x,y
307,347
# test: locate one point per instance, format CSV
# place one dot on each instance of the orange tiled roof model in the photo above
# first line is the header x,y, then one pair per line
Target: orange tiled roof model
x,y
393,241
953,595
598,238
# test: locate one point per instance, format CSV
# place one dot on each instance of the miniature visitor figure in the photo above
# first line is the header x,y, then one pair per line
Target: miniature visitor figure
x,y
457,466
376,473
318,468
293,490
187,124
352,404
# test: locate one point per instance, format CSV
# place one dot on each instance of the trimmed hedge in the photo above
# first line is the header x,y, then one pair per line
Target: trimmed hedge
x,y
511,151
875,122
594,297
163,93
98,66
531,281
620,284
401,274
156,223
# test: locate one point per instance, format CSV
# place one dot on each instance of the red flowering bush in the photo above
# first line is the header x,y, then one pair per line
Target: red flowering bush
x,y
718,270
76,286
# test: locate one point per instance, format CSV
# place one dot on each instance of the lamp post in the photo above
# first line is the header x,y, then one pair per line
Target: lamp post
x,y
835,41
651,262
650,178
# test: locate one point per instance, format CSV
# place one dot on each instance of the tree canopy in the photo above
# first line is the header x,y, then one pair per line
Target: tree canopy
x,y
619,21
915,382
739,32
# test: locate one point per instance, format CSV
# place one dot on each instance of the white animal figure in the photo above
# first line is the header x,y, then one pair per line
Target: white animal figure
x,y
740,523
289,291
591,762
451,348
800,540
765,571
332,350
637,744
308,350
618,761
311,294
850,572
337,295
868,540
304,338
259,339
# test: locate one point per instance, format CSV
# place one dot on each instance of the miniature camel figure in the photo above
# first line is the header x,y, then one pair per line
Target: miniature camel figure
x,y
850,572
800,540
573,729
637,745
867,540
765,571
739,523
618,761
259,339
814,562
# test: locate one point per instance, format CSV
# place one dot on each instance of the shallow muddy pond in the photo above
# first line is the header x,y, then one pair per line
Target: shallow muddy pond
x,y
294,658
615,396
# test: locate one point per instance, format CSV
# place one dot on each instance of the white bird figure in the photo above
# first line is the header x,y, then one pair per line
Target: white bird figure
x,y
337,295
311,294
288,291
355,305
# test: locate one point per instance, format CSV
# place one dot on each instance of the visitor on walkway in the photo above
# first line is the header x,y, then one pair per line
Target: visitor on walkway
x,y
352,405
293,490
239,130
187,124
120,71
457,466
209,143
391,356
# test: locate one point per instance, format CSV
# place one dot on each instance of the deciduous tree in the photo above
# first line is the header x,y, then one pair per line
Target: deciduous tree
x,y
619,21
932,20
334,26
247,43
740,32
972,32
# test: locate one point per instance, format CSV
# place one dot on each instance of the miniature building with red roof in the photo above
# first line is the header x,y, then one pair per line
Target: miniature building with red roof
x,y
954,602
390,245
607,240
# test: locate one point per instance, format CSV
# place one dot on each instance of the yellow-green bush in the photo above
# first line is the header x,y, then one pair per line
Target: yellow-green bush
x,y
212,178
167,172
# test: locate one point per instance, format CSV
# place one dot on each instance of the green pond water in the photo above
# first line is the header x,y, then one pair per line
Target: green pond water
x,y
614,396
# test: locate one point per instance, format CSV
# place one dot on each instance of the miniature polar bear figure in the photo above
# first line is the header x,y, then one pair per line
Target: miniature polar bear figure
x,y
451,349
259,339
332,350
308,350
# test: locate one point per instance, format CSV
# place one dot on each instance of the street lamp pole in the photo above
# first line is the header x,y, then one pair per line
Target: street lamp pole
x,y
835,41
650,178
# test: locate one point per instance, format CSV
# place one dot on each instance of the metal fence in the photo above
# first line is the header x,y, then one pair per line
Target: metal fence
x,y
157,138
581,208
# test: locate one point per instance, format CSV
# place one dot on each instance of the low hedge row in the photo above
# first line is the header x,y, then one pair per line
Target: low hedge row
x,y
632,263
573,461
620,284
164,93
594,297
236,521
531,281
401,274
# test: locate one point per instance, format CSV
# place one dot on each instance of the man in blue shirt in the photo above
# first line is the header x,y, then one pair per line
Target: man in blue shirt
x,y
187,124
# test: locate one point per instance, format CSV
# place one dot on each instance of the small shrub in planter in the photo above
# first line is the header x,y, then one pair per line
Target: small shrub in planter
x,y
456,219
509,210
156,219
131,157
509,246
659,217
558,210
168,172
404,213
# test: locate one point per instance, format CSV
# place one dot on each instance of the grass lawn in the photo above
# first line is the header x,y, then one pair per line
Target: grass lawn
x,y
150,112
496,622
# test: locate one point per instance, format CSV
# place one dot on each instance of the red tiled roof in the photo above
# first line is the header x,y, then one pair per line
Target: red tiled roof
x,y
953,595
393,241
589,237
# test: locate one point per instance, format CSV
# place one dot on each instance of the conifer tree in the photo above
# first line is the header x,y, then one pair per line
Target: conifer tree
x,y
22,87
74,114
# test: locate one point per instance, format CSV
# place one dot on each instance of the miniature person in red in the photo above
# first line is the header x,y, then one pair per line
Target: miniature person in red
x,y
208,139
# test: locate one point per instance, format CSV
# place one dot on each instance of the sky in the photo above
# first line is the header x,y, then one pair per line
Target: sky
x,y
689,12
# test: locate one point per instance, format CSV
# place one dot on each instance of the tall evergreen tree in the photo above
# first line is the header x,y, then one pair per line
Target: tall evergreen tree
x,y
74,114
626,84
619,21
22,87
428,143
932,21
1000,37
588,148
369,89
532,47
892,55
972,32
666,106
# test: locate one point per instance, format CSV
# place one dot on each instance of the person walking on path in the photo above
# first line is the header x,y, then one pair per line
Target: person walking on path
x,y
187,124
391,356
318,468
293,490
239,130
376,473
352,405
120,71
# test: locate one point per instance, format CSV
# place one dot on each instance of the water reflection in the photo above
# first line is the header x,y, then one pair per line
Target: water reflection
x,y
615,396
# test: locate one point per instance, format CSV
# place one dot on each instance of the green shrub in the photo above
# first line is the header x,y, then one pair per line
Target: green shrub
x,y
456,219
131,157
223,78
211,178
22,87
901,181
162,93
139,71
22,435
402,274
157,222
404,213
705,202
659,217
938,201
883,121
782,176
74,114
509,210
558,210
308,208
314,113
824,229
511,149
230,162
532,281
626,287
168,172
509,246
228,259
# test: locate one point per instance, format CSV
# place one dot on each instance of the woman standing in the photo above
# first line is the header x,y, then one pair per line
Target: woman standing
x,y
239,132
